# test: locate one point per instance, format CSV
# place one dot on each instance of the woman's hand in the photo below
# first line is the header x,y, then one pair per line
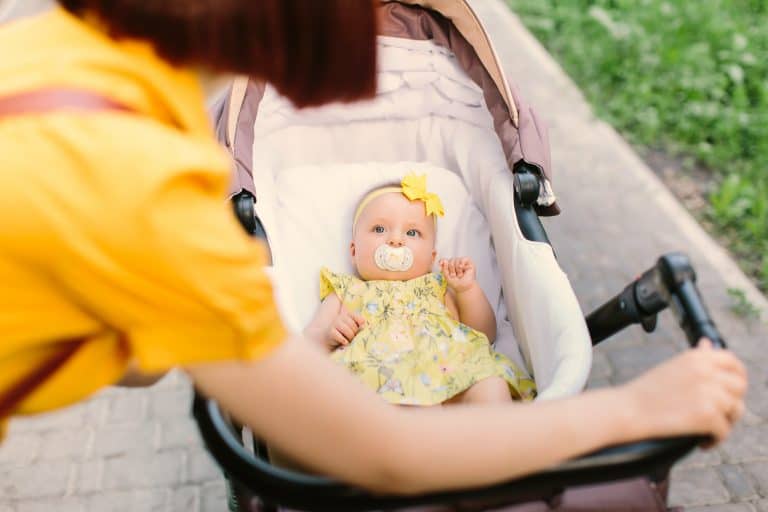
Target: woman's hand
x,y
460,273
700,391
344,328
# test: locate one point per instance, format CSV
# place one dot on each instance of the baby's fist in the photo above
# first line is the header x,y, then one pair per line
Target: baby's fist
x,y
344,328
459,273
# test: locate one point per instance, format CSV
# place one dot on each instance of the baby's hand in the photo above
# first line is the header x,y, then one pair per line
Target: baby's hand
x,y
344,328
459,272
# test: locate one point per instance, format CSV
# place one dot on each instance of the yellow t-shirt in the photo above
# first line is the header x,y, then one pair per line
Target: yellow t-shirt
x,y
117,223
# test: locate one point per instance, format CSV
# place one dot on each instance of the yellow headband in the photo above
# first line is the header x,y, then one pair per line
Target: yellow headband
x,y
412,187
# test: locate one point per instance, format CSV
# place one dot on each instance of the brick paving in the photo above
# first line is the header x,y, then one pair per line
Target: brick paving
x,y
138,450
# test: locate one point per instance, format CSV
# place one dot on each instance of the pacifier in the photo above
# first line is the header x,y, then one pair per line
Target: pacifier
x,y
394,259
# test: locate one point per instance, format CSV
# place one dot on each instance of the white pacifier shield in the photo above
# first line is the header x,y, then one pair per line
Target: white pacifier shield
x,y
394,259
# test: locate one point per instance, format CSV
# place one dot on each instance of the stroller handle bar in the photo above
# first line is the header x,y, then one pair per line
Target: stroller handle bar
x,y
672,281
283,487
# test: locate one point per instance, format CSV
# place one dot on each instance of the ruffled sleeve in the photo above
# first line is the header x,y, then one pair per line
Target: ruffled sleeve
x,y
439,282
331,282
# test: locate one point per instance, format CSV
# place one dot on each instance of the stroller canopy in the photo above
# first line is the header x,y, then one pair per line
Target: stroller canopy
x,y
453,25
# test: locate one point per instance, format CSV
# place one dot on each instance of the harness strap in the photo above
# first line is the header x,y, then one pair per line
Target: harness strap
x,y
236,99
42,101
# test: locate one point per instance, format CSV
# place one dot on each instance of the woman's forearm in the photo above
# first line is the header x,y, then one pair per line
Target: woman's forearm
x,y
487,444
317,413
317,336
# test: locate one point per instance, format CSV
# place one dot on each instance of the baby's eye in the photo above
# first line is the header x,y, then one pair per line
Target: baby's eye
x,y
378,229
413,232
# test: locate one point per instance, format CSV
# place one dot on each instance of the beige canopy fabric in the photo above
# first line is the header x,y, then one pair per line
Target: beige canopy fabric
x,y
466,21
521,133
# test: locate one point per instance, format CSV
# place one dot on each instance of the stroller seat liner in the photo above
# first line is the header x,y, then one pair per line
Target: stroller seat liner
x,y
311,166
312,209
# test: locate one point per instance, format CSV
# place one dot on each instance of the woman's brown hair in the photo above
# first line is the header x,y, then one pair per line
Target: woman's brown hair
x,y
312,51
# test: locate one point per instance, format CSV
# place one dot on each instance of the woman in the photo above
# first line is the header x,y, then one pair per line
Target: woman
x,y
119,258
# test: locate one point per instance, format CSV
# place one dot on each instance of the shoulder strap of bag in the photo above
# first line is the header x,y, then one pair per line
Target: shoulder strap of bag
x,y
43,101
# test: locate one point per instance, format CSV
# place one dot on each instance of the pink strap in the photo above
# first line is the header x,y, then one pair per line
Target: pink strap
x,y
41,101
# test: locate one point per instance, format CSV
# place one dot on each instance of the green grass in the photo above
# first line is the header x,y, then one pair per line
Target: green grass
x,y
689,78
740,304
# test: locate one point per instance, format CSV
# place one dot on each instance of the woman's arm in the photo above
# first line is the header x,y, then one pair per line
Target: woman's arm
x,y
418,450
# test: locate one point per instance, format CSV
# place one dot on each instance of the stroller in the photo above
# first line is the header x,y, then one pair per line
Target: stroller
x,y
444,108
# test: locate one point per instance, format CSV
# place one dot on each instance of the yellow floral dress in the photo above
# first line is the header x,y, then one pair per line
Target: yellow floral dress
x,y
410,351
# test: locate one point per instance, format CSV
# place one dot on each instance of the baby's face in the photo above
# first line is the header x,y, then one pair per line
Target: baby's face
x,y
393,220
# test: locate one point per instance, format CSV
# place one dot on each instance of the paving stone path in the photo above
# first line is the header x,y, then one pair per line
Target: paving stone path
x,y
138,450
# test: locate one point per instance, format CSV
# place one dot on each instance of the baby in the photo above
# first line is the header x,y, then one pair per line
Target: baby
x,y
396,326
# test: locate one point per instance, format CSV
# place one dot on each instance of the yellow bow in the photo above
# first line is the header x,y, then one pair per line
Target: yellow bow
x,y
415,189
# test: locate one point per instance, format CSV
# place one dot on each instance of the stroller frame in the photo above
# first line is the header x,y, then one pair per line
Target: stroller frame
x,y
668,283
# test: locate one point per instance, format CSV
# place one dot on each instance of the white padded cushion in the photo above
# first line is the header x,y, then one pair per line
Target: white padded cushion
x,y
311,208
